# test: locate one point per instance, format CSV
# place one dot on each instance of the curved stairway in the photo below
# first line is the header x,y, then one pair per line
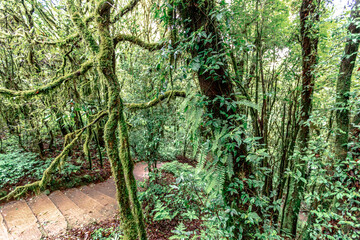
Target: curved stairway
x,y
50,215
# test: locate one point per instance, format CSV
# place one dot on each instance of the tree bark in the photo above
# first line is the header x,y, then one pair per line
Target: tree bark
x,y
121,163
217,84
344,83
309,18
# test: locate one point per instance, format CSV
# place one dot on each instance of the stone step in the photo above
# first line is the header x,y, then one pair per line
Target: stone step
x,y
108,202
75,216
49,216
141,171
3,230
107,188
52,215
21,222
95,210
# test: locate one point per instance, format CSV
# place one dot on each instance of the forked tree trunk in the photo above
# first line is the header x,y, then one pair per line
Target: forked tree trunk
x,y
121,164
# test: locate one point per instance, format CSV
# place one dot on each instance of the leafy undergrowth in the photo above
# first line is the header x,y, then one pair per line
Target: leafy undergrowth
x,y
19,167
170,210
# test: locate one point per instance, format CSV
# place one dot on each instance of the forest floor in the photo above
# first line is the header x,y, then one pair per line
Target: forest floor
x,y
49,215
88,212
75,175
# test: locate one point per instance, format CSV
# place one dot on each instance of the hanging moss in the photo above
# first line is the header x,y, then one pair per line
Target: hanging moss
x,y
131,5
60,43
47,88
81,26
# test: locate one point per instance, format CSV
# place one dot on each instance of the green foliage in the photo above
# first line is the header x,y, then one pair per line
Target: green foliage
x,y
51,86
107,234
181,233
187,199
17,164
162,212
174,200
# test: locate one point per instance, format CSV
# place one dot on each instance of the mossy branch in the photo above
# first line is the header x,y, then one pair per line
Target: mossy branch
x,y
47,175
138,41
68,40
86,149
155,101
82,27
125,10
46,88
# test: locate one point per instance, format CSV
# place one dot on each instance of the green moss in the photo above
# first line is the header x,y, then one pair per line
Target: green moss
x,y
155,101
138,41
82,27
86,146
130,6
47,88
128,169
60,43
106,65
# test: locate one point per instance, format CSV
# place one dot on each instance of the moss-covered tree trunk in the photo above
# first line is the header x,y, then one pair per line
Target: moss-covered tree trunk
x,y
309,18
344,83
121,163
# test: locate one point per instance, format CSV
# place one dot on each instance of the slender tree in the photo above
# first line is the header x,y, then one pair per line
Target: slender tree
x,y
343,84
309,19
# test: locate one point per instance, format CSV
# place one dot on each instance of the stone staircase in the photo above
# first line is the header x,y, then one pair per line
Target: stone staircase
x,y
50,215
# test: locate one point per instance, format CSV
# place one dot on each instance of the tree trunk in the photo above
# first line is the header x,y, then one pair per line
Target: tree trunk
x,y
121,163
309,18
344,83
216,85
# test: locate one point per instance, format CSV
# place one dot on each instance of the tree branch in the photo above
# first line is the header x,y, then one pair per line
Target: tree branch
x,y
60,42
138,41
82,27
125,10
44,89
41,184
71,38
155,101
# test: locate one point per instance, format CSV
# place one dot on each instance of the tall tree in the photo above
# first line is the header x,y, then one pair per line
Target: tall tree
x,y
309,20
344,83
116,137
120,159
215,81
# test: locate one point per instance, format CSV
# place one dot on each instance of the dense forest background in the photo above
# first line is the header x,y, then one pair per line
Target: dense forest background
x,y
255,104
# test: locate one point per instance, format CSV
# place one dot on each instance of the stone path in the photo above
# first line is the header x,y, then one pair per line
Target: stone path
x,y
50,215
